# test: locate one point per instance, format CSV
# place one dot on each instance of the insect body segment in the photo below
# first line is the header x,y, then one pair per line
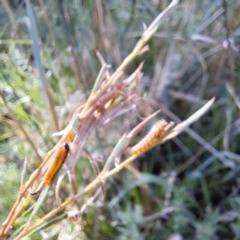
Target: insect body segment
x,y
149,139
59,158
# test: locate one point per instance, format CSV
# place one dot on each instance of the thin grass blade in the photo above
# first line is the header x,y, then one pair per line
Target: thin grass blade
x,y
35,47
41,198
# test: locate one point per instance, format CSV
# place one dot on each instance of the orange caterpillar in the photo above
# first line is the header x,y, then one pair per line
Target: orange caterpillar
x,y
59,158
149,139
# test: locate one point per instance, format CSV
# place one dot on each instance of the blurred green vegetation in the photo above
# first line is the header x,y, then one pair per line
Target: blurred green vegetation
x,y
193,57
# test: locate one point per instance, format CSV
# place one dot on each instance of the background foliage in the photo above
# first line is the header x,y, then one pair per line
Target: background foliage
x,y
193,57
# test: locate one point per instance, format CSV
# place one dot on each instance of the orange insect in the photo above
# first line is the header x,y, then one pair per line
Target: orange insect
x,y
149,139
59,158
